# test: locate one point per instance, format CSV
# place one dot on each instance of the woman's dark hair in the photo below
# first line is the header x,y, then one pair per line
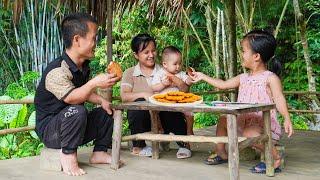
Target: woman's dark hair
x,y
75,24
141,41
265,44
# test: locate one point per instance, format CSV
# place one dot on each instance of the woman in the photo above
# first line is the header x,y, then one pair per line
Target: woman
x,y
136,86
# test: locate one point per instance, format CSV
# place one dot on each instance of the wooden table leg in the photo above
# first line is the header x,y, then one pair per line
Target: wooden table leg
x,y
116,139
155,129
268,144
233,153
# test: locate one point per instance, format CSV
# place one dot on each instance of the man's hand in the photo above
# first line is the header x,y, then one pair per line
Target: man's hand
x,y
106,106
105,80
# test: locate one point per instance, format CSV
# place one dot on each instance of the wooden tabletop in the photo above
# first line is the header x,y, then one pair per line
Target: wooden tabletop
x,y
223,107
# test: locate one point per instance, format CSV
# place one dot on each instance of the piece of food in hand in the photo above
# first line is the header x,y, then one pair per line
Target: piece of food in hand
x,y
114,68
190,71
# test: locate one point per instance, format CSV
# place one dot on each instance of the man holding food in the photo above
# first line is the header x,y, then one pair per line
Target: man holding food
x,y
62,121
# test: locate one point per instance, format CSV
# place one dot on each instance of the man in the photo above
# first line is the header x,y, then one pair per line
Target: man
x,y
62,121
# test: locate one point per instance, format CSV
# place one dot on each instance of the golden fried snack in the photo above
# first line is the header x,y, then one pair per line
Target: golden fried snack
x,y
159,96
196,97
188,95
114,68
165,101
190,71
174,98
176,93
177,97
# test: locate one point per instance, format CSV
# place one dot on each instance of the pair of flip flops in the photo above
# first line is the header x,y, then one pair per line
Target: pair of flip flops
x,y
261,168
215,159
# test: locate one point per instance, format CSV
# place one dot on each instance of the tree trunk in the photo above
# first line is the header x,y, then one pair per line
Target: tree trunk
x,y
231,30
311,77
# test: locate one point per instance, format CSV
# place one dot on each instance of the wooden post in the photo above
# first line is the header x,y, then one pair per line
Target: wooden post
x,y
154,128
268,144
233,153
109,42
116,139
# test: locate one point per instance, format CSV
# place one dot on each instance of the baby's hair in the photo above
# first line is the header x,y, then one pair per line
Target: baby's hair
x,y
265,44
141,41
169,50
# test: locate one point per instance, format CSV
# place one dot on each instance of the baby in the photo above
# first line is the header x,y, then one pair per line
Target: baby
x,y
164,79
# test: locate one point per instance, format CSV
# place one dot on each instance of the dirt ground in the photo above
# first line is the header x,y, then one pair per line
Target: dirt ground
x,y
302,163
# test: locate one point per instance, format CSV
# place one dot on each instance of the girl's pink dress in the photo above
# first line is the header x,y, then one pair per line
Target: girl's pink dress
x,y
254,89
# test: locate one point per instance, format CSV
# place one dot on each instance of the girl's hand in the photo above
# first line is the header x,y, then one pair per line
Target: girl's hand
x,y
288,127
197,76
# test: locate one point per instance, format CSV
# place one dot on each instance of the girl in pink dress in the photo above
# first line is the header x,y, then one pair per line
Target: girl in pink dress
x,y
257,86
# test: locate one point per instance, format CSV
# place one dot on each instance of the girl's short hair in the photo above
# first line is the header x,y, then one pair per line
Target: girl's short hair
x,y
265,44
141,41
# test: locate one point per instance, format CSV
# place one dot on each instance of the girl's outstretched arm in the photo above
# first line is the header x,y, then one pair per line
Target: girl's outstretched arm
x,y
280,101
219,83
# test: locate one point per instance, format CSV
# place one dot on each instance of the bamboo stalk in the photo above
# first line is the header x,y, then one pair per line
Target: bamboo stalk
x,y
197,36
16,130
211,35
218,28
304,111
19,101
281,18
224,47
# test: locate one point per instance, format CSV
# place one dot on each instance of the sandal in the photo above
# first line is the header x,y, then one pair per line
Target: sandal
x,y
145,152
215,160
183,153
261,168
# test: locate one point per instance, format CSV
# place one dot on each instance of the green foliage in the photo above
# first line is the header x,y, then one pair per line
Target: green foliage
x,y
8,112
205,119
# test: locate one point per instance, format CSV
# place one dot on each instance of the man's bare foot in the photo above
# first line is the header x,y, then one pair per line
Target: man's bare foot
x,y
100,157
70,165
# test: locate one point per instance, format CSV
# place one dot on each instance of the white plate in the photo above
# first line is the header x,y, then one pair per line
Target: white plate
x,y
154,101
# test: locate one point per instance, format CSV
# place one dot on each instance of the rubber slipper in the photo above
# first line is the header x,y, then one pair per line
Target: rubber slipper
x,y
215,160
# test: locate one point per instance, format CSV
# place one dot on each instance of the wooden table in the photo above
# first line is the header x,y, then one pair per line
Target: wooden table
x,y
230,109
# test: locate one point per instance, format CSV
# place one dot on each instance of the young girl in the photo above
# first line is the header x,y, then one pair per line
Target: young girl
x,y
257,86
163,80
136,86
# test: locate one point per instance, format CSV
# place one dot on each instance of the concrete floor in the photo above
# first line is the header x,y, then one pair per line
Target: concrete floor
x,y
302,163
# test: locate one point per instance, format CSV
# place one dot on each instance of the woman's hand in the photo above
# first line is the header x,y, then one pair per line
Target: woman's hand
x,y
166,81
147,95
288,127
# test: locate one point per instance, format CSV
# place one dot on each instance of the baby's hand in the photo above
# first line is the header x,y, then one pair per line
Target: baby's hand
x,y
288,127
197,76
